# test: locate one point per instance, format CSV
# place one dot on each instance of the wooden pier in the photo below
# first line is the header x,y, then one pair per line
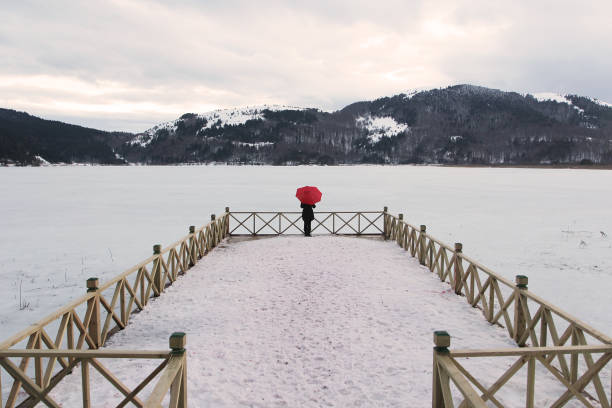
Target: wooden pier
x,y
39,357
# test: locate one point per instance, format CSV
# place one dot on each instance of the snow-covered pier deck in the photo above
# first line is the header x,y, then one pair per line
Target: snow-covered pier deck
x,y
323,321
308,322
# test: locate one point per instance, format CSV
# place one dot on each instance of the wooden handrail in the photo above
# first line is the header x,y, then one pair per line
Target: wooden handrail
x,y
531,351
75,353
288,222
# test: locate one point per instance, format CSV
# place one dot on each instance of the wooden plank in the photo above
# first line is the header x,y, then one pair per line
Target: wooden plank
x,y
486,396
447,397
115,381
571,319
84,335
574,358
555,338
38,370
570,388
89,353
175,391
587,377
23,365
85,383
11,341
128,398
491,311
163,384
133,299
601,393
110,309
504,378
33,400
530,382
29,386
58,342
503,308
122,304
47,340
531,351
462,384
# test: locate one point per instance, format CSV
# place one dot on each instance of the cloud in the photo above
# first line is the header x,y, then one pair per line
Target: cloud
x,y
129,63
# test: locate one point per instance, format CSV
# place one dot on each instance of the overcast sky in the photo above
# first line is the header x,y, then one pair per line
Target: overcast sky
x,y
129,64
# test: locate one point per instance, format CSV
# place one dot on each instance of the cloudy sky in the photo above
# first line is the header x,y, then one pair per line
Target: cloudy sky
x,y
129,64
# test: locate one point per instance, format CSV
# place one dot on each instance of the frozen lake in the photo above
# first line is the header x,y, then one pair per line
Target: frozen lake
x,y
61,225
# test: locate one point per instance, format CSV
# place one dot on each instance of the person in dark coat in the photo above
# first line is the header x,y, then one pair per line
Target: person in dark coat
x,y
307,216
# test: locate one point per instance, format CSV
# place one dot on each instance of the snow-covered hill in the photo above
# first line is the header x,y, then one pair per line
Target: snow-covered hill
x,y
218,118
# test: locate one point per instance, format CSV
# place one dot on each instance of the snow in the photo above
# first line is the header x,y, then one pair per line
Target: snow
x,y
309,322
239,116
62,225
379,127
42,161
456,138
551,96
598,102
219,117
257,145
415,91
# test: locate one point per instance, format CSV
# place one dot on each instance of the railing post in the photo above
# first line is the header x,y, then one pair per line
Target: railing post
x,y
457,268
441,342
519,317
177,341
227,220
157,275
213,227
93,303
385,226
193,257
422,255
400,230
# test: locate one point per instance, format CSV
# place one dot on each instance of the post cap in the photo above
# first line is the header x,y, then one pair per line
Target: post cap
x,y
521,281
458,247
177,342
191,229
92,284
212,217
227,209
423,228
401,216
156,248
441,339
386,209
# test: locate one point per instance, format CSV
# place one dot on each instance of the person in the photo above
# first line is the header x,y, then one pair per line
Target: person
x,y
307,216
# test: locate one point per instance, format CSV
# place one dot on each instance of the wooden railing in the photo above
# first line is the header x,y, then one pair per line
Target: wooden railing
x,y
528,319
289,223
172,374
89,321
447,369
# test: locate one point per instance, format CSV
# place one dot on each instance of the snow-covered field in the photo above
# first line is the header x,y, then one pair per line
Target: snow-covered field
x,y
310,322
61,225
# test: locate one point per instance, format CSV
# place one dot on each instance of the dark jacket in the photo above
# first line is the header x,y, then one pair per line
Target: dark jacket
x,y
307,213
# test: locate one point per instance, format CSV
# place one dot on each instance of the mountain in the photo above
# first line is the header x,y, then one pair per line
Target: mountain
x,y
462,124
26,139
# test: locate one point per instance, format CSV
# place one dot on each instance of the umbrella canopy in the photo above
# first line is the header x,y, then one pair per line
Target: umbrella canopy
x,y
308,195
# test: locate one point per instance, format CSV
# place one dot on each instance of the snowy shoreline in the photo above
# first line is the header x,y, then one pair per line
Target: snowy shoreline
x,y
222,164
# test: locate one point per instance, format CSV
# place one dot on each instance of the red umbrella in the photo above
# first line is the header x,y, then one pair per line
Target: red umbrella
x,y
308,195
